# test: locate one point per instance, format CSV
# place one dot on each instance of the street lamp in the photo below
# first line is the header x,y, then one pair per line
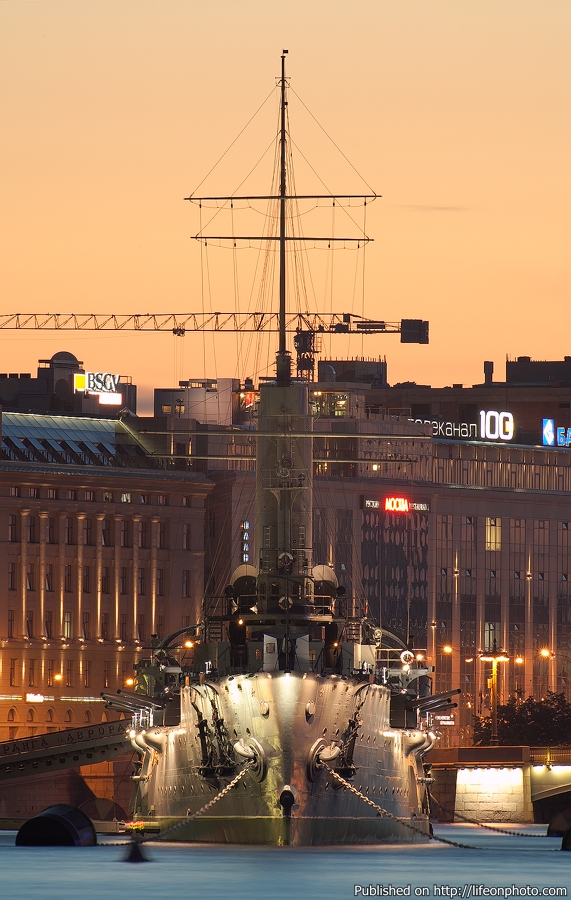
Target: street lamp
x,y
494,657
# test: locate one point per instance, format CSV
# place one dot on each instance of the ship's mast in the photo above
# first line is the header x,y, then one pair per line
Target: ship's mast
x,y
283,362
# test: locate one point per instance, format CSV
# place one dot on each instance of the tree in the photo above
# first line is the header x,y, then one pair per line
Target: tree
x,y
533,723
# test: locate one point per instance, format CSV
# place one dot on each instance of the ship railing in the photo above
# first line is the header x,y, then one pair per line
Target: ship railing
x,y
143,719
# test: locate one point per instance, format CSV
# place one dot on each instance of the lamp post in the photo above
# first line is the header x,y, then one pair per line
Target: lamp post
x,y
494,657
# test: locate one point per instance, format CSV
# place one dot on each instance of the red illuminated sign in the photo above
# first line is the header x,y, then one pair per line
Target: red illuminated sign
x,y
396,504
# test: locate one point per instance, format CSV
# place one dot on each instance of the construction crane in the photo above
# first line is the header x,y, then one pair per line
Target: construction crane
x,y
306,326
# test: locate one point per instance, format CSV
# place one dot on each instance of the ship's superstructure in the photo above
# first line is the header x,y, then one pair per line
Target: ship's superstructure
x,y
293,713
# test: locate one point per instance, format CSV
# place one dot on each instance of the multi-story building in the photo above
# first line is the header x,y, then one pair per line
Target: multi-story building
x,y
101,546
454,536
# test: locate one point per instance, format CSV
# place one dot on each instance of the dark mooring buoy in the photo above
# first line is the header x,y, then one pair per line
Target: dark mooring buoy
x,y
58,826
566,842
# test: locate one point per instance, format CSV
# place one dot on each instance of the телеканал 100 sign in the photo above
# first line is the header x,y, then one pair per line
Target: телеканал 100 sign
x,y
493,426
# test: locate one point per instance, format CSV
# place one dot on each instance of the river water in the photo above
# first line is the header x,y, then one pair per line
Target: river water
x,y
266,873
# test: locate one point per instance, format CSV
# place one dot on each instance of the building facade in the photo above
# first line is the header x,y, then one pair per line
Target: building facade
x,y
100,547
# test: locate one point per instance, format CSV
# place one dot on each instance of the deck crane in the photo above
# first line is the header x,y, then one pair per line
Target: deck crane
x,y
307,327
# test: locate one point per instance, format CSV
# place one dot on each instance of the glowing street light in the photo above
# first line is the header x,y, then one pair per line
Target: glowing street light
x,y
494,657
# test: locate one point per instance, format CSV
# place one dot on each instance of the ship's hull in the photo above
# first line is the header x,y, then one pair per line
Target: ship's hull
x,y
287,796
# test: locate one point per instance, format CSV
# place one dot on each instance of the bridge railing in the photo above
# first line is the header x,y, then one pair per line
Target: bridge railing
x,y
546,756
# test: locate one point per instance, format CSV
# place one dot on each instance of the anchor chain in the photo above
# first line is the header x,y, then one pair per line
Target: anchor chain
x,y
385,812
200,812
482,824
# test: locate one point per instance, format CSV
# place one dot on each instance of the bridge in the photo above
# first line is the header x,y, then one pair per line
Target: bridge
x,y
502,784
42,754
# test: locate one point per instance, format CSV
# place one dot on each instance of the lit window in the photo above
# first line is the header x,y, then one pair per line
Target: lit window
x,y
493,533
126,497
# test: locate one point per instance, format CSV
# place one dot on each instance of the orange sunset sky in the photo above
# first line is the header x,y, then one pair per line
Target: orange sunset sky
x,y
456,111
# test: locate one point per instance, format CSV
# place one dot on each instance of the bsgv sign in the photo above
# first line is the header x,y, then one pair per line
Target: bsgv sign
x,y
493,426
99,384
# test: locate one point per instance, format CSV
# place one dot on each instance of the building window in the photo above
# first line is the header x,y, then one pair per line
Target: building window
x,y
123,627
106,533
166,409
34,493
67,624
186,501
105,626
162,500
104,580
493,573
86,580
11,576
540,576
67,581
144,498
493,533
160,626
51,531
564,577
13,671
86,627
108,496
69,530
52,494
123,580
141,627
124,534
31,672
30,586
160,582
50,674
31,529
126,497
49,624
143,534
469,520
162,536
187,537
68,718
69,673
106,674
86,674
30,623
12,528
90,496
87,532
15,492
10,623
71,495
49,578
141,581
516,576
186,583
